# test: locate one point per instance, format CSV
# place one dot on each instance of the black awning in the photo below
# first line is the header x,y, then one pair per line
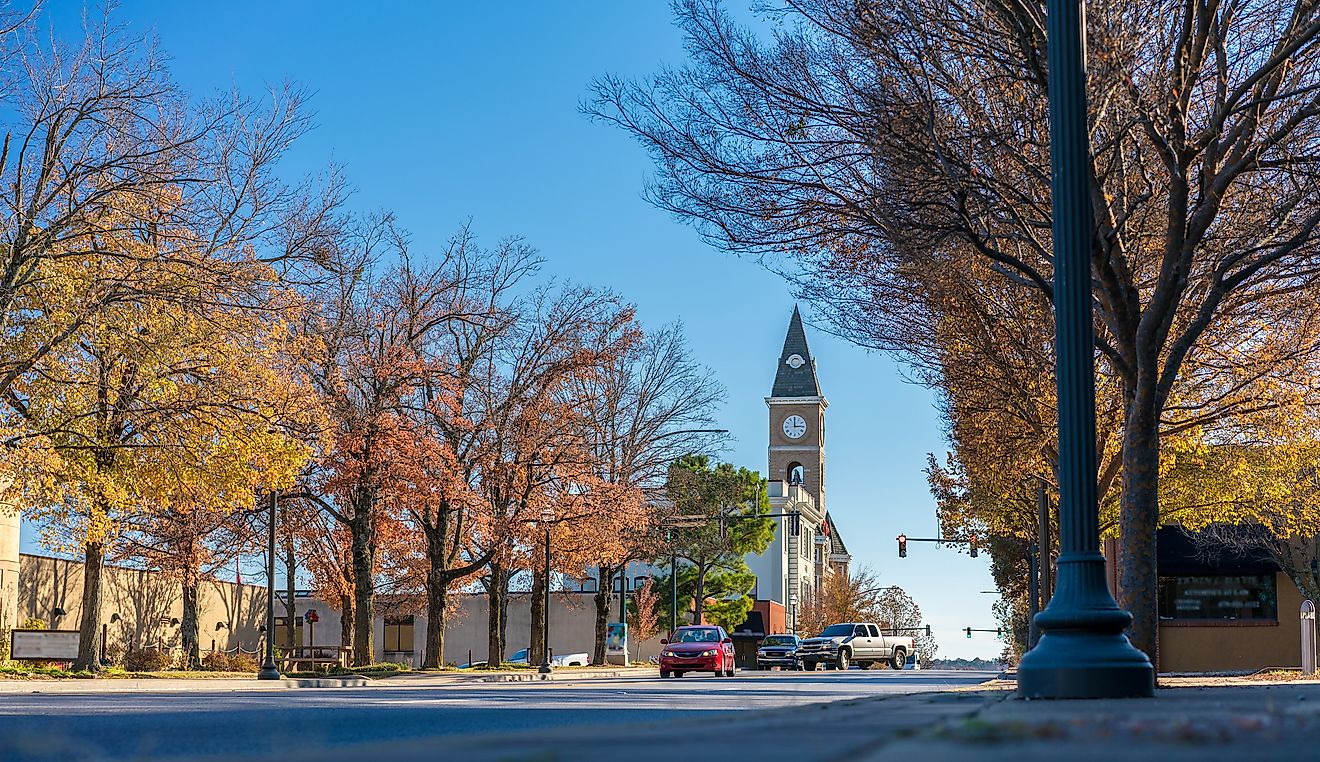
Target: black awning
x,y
754,627
1179,556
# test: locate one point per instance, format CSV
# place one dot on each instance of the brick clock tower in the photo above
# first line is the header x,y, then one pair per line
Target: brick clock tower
x,y
797,417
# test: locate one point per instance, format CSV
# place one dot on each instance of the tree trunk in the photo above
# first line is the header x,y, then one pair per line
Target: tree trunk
x,y
494,608
505,578
536,637
606,584
437,600
290,604
345,621
1138,578
89,624
189,631
364,566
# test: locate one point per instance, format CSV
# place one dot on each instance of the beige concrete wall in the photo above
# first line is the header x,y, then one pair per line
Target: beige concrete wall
x,y
1234,646
147,603
572,622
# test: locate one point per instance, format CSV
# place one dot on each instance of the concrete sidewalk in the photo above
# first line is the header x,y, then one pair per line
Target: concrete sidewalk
x,y
227,685
1188,719
1226,721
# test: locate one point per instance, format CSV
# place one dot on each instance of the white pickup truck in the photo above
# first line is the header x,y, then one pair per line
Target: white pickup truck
x,y
860,643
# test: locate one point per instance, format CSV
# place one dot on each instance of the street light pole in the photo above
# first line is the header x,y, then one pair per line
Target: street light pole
x,y
545,667
269,670
1082,652
673,593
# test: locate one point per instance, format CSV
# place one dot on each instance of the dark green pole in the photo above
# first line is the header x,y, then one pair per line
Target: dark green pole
x,y
269,670
673,594
1082,652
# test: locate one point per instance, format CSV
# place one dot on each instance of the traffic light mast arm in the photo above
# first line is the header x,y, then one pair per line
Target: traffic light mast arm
x,y
903,540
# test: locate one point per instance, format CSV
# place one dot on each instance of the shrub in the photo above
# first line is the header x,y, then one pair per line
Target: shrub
x,y
217,661
147,660
241,662
222,661
114,654
34,623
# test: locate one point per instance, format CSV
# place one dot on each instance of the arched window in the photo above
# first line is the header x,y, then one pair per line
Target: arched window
x,y
795,473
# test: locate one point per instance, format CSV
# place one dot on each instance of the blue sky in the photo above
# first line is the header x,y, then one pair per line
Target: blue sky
x,y
446,113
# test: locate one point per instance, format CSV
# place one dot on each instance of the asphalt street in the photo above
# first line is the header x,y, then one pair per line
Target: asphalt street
x,y
603,718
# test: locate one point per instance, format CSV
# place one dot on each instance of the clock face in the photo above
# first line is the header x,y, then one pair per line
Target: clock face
x,y
794,426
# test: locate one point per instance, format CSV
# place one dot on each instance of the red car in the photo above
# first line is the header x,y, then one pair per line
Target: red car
x,y
698,648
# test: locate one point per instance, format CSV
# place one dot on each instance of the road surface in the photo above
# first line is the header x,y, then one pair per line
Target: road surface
x,y
631,719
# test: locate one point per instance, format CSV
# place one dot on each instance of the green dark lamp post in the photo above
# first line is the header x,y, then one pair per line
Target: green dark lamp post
x,y
269,670
1082,652
547,518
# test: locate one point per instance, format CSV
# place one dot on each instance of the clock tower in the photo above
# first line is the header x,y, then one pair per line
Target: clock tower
x,y
797,417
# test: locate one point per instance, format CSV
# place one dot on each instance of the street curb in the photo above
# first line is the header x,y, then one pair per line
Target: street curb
x,y
557,676
168,685
182,685
347,681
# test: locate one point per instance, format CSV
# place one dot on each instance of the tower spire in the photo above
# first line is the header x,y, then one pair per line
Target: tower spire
x,y
796,374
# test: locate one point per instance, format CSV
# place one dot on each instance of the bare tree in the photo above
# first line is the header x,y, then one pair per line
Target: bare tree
x,y
876,141
100,147
643,411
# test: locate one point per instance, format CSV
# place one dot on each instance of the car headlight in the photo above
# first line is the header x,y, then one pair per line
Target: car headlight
x,y
708,653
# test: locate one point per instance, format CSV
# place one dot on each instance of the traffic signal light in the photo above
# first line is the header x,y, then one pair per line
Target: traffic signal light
x,y
973,543
969,632
794,524
928,631
902,546
999,633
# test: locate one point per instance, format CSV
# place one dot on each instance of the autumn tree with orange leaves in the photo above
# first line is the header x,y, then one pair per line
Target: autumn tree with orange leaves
x,y
372,321
538,460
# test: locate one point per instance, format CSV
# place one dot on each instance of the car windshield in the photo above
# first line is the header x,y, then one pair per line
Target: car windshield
x,y
837,631
779,640
704,635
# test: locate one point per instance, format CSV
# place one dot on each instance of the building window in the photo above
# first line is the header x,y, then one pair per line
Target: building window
x,y
399,633
806,543
796,473
1248,596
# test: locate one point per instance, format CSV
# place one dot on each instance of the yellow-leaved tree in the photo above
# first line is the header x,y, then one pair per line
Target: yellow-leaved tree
x,y
159,406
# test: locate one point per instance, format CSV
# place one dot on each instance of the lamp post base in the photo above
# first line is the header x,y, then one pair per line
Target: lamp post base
x,y
1083,665
269,672
545,669
1082,652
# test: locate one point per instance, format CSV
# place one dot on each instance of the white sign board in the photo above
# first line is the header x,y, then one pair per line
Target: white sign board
x,y
44,645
